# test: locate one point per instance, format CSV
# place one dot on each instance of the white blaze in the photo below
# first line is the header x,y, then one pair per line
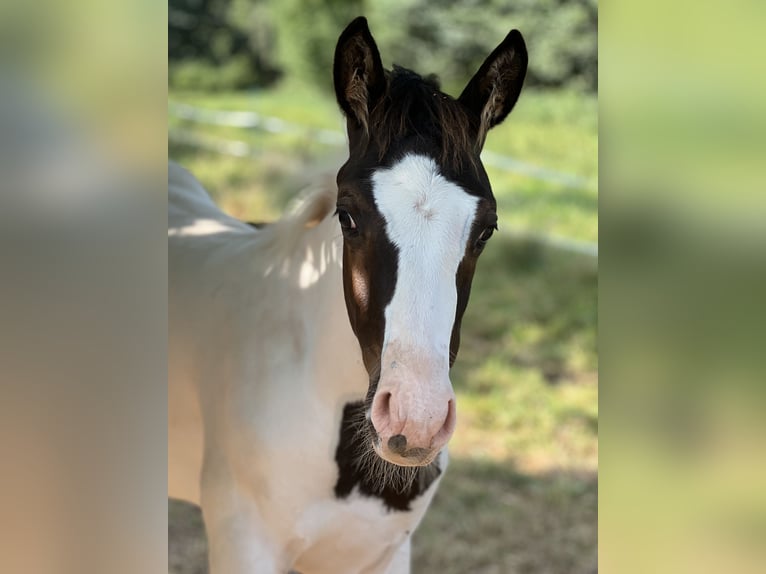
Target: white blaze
x,y
428,219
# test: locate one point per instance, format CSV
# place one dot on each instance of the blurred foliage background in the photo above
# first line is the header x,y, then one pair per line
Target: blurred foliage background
x,y
253,116
232,44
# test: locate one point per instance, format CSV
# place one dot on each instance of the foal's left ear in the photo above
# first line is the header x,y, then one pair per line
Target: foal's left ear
x,y
495,88
358,73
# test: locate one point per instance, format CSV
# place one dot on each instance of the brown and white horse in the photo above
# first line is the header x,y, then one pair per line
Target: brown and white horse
x,y
309,391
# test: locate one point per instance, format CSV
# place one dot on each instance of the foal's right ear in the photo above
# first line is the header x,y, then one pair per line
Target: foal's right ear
x,y
358,73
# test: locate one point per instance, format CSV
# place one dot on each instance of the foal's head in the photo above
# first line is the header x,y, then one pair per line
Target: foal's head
x,y
416,210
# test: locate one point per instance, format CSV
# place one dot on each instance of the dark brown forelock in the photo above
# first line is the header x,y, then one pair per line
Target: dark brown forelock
x,y
415,107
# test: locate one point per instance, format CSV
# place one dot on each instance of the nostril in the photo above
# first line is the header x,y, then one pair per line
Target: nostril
x,y
398,443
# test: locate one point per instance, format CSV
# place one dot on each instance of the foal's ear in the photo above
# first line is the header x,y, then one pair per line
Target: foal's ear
x,y
358,73
494,89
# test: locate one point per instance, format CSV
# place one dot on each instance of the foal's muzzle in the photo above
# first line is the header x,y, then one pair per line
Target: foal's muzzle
x,y
412,430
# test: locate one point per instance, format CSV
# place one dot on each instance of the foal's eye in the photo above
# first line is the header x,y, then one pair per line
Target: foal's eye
x,y
485,235
346,221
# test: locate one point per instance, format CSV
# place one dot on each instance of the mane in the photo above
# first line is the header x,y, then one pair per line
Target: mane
x,y
283,238
315,203
416,107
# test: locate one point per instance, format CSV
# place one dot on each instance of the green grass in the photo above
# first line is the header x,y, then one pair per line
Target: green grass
x,y
520,493
526,372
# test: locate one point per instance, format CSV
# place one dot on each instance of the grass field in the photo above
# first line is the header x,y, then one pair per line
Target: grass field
x,y
520,494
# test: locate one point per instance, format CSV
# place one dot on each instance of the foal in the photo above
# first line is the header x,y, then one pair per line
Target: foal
x,y
309,391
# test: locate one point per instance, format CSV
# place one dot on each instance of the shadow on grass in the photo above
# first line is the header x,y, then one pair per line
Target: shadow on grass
x,y
187,544
487,518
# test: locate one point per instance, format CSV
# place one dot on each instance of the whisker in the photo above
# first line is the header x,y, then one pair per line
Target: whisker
x,y
381,474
